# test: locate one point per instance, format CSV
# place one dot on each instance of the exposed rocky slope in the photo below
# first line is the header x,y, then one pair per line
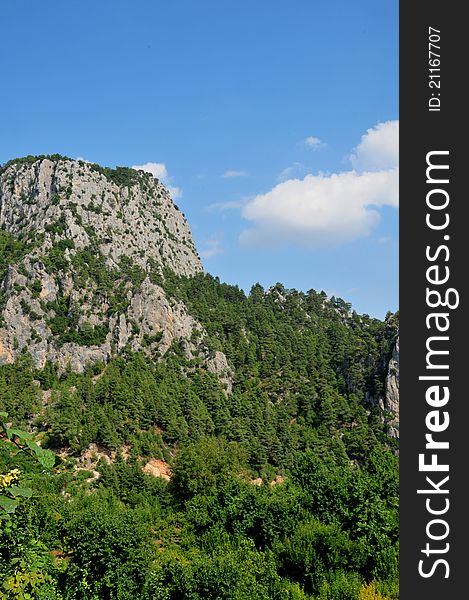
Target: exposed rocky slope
x,y
89,247
120,213
388,400
391,396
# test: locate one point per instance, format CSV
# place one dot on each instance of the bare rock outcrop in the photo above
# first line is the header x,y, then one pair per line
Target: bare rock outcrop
x,y
84,278
391,395
123,213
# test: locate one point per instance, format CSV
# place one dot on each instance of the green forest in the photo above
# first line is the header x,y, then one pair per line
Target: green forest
x,y
283,487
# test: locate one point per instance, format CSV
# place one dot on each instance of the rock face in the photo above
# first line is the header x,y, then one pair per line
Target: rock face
x,y
65,199
83,279
391,396
388,402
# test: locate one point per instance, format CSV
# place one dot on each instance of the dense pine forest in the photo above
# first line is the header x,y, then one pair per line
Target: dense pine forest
x,y
285,488
155,476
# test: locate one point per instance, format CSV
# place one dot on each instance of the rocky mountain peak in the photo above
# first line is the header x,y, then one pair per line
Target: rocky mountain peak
x,y
118,212
83,251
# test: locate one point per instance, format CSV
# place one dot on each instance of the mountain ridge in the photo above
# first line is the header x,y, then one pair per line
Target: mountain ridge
x,y
92,246
88,249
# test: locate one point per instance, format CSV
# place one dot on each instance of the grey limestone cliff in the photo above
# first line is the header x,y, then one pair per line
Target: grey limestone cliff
x,y
391,395
388,400
65,199
84,277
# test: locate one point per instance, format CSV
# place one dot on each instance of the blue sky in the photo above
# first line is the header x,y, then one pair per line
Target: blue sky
x,y
274,123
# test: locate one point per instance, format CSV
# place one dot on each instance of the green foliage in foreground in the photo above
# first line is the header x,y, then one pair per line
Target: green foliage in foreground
x,y
302,370
321,534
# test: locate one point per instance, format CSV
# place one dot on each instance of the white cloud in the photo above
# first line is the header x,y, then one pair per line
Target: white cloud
x,y
231,173
378,148
222,206
383,239
174,192
83,159
313,142
296,167
212,248
320,209
329,208
159,171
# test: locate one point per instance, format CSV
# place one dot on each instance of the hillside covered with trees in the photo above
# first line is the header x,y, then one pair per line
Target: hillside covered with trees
x,y
243,454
